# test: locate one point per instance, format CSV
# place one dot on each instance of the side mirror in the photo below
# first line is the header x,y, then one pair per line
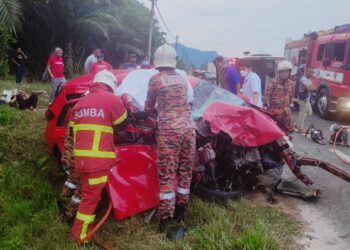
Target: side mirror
x,y
326,62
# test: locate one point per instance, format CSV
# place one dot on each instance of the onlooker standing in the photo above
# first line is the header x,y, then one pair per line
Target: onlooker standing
x,y
99,65
55,67
304,99
132,62
91,59
19,59
232,77
252,84
146,63
220,72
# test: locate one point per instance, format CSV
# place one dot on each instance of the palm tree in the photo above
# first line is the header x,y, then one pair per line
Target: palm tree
x,y
91,19
10,23
10,15
117,26
72,25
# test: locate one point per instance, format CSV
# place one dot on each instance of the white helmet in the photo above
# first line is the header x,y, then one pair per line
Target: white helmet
x,y
165,56
284,65
107,78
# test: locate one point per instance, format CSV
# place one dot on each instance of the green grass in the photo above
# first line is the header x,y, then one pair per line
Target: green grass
x,y
30,184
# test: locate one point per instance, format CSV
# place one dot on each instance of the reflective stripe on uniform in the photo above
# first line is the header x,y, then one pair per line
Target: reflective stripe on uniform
x,y
94,152
70,185
120,119
182,190
167,196
97,181
70,124
75,199
93,127
86,219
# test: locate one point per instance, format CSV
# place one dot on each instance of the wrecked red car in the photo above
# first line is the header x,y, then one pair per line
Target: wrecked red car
x,y
235,144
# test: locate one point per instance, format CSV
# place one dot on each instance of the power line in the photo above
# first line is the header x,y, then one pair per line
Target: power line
x,y
166,26
185,57
150,30
160,26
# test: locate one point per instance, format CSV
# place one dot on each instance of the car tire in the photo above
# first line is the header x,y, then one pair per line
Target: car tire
x,y
212,195
322,104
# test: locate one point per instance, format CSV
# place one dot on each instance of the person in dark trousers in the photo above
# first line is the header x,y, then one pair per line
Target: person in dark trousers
x,y
24,101
19,59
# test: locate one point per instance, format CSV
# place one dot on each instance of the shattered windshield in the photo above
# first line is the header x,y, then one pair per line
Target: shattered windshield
x,y
207,93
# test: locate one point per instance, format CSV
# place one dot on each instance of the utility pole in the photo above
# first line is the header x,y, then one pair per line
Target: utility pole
x,y
151,29
177,41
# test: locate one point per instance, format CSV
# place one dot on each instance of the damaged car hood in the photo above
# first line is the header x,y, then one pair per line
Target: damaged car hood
x,y
228,113
221,109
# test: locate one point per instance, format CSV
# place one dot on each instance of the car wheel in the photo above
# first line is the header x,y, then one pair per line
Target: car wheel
x,y
208,194
322,104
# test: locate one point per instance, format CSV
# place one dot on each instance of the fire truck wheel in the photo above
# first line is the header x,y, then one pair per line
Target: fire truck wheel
x,y
322,104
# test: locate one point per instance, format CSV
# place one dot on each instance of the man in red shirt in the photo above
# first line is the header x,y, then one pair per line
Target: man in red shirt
x,y
94,120
99,65
55,67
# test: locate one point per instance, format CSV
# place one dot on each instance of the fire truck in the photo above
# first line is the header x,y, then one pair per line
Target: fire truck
x,y
328,54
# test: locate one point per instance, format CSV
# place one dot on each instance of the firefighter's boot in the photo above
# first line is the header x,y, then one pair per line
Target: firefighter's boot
x,y
165,224
178,231
171,230
179,214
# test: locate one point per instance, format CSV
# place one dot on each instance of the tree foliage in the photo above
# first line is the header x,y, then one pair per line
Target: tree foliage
x,y
10,23
116,26
10,15
6,39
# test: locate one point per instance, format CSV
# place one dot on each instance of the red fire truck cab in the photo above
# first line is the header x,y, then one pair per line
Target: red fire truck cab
x,y
328,53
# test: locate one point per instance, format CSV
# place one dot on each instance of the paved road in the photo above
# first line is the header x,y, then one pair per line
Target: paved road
x,y
329,217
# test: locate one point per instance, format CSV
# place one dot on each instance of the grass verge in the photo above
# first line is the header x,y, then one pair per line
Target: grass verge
x,y
29,217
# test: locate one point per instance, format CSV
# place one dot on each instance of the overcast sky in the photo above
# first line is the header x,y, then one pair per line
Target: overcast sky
x,y
259,26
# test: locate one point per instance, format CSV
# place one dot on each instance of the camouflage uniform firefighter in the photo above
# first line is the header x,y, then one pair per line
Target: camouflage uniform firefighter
x,y
175,138
278,97
71,193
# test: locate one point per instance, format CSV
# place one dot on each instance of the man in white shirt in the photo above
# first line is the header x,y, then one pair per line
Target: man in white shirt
x,y
91,59
304,99
252,84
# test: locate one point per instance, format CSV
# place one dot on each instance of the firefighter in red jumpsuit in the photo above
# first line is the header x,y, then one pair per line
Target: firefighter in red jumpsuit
x,y
175,140
94,119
